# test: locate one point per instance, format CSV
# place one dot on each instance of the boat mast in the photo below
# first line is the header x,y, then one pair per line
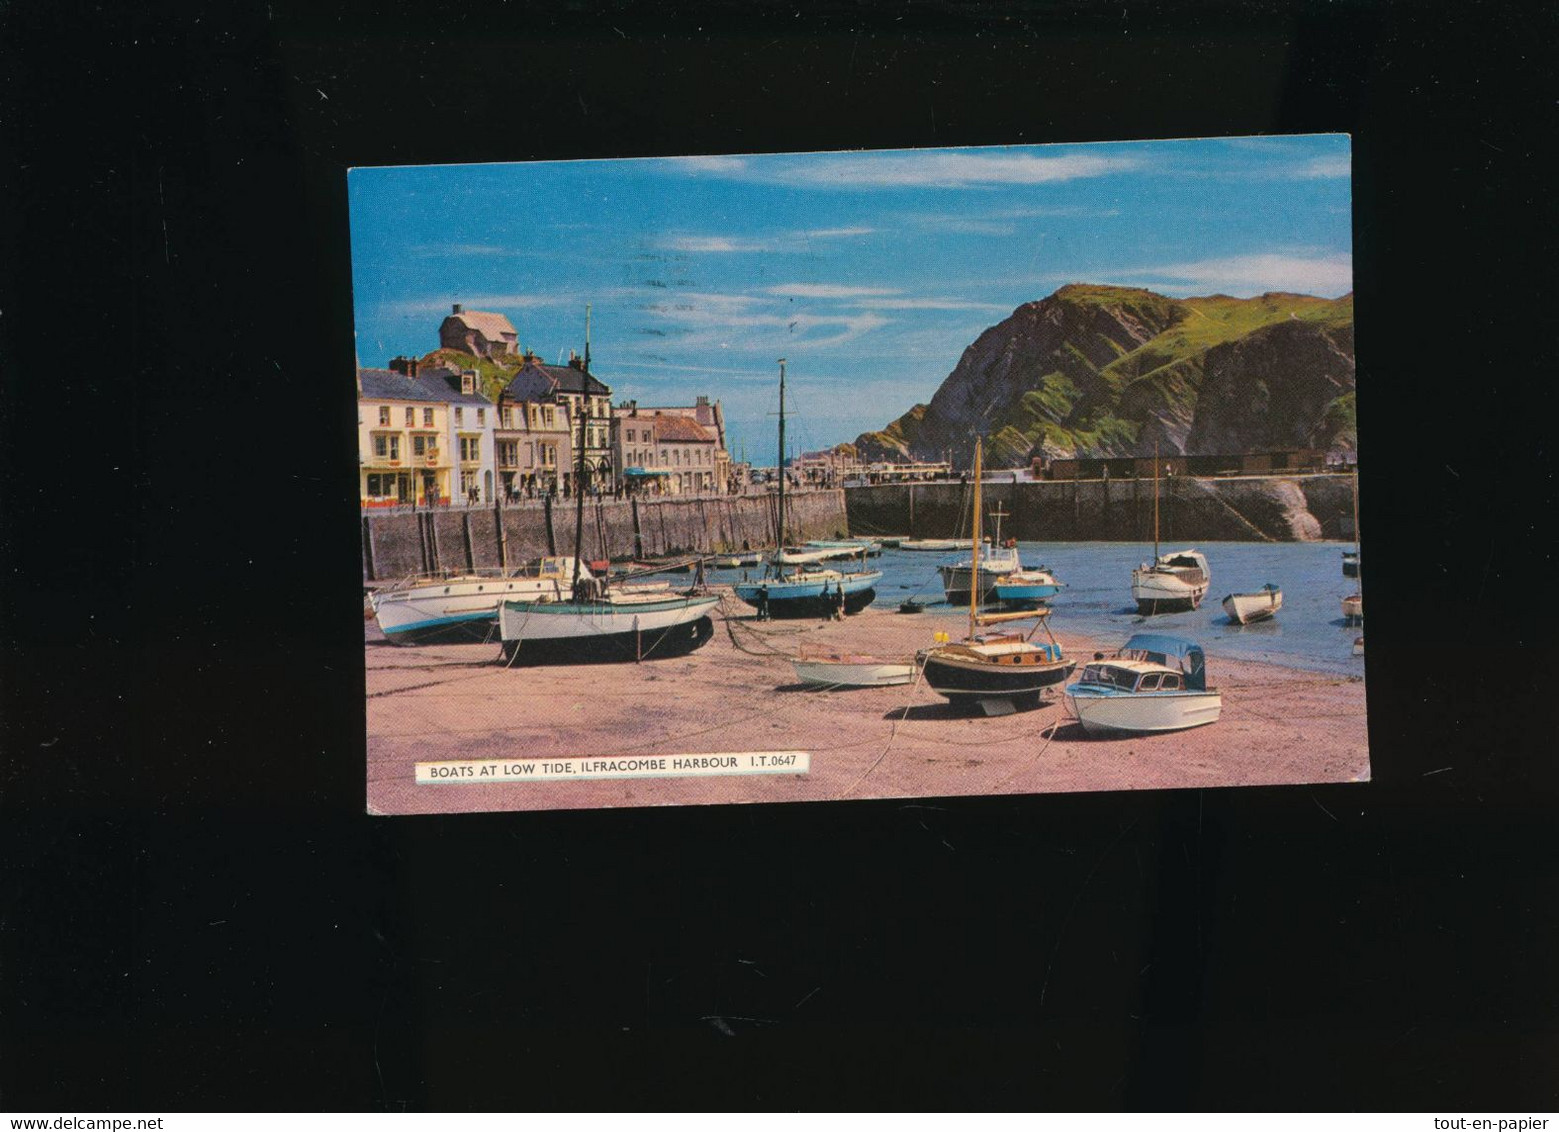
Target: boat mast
x,y
974,561
782,458
579,475
1358,558
1155,503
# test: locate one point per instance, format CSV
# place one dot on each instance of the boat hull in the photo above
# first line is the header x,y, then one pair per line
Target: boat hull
x,y
958,580
1243,609
1353,609
1114,713
1165,593
566,632
853,674
1350,565
965,680
456,610
810,598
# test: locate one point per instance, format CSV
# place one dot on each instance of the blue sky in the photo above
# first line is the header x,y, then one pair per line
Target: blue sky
x,y
870,271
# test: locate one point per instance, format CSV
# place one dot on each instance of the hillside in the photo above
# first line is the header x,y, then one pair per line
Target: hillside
x,y
1110,371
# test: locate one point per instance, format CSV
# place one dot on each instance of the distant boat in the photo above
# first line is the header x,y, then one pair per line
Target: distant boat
x,y
1027,585
850,670
1353,604
465,606
811,589
1259,606
935,545
1350,564
987,669
1358,645
849,547
1173,582
1156,683
994,561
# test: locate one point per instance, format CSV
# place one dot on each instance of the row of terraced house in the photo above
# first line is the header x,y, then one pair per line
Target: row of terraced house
x,y
428,436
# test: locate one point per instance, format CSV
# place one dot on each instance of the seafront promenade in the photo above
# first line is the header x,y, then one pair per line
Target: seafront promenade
x,y
739,693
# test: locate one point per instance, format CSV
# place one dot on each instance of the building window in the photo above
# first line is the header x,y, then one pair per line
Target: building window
x,y
468,383
411,417
467,483
630,436
419,445
506,414
508,453
548,416
481,416
470,448
384,415
427,418
460,416
387,446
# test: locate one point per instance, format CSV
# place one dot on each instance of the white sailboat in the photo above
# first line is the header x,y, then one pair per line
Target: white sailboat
x,y
594,623
1173,582
465,606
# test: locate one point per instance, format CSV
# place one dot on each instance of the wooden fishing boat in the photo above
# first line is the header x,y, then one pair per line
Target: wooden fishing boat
x,y
1156,683
1259,606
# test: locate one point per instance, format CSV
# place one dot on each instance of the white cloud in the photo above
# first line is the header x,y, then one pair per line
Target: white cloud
x,y
796,241
835,233
828,290
1246,275
938,169
1332,165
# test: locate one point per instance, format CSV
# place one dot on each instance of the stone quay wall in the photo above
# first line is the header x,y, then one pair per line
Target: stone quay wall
x,y
1236,509
399,544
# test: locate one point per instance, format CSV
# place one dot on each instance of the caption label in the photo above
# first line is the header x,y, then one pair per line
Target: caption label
x,y
645,766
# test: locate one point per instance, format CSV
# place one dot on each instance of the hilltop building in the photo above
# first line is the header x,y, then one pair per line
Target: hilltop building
x,y
483,333
584,397
422,437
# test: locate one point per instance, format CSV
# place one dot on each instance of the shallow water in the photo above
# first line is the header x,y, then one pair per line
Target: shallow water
x,y
1307,633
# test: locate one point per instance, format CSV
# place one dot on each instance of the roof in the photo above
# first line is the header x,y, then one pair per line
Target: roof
x,y
537,379
438,386
678,430
490,325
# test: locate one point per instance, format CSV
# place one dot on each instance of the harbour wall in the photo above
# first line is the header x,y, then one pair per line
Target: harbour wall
x,y
1191,509
398,544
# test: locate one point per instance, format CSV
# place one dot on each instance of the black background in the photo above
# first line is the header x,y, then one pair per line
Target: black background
x,y
195,914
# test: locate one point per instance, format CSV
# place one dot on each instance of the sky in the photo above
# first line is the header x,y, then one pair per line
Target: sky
x,y
871,272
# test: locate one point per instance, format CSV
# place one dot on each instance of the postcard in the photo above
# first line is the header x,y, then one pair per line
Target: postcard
x,y
830,476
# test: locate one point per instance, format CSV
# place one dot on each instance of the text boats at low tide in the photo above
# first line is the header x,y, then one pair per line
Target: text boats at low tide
x,y
605,626
465,606
1156,683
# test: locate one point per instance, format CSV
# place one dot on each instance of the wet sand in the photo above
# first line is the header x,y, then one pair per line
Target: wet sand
x,y
739,693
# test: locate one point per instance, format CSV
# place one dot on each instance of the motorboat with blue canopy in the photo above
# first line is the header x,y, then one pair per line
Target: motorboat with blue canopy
x,y
1157,682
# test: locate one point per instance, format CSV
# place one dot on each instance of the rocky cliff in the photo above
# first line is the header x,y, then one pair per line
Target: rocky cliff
x,y
1112,371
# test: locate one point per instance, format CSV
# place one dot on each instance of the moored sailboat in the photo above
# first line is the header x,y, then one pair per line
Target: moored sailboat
x,y
1172,582
465,606
594,623
810,590
994,669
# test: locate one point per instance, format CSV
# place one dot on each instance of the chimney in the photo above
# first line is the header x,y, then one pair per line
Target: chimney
x,y
459,309
703,401
468,381
406,367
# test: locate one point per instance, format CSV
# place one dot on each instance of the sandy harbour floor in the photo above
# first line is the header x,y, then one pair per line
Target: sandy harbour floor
x,y
738,693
